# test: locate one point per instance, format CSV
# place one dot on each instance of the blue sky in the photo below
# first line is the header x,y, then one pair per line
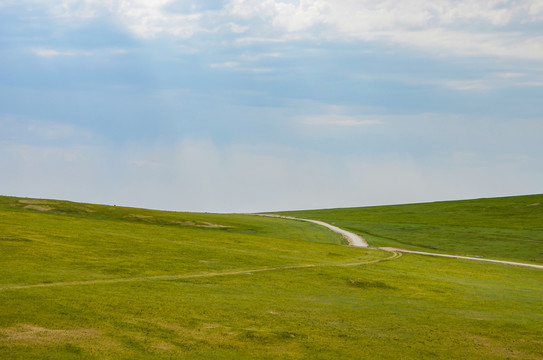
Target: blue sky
x,y
241,105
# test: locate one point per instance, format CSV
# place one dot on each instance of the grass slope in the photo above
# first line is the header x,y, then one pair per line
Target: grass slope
x,y
81,281
509,228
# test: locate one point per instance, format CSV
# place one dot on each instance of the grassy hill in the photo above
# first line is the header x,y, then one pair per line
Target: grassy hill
x,y
509,228
81,281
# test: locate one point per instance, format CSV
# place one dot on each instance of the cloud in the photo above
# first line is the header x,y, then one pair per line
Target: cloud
x,y
250,40
228,65
466,85
78,9
510,75
238,29
350,16
52,53
148,19
514,45
259,56
144,19
337,120
236,66
492,28
434,26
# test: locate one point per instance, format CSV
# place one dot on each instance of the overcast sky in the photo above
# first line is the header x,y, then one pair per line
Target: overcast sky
x,y
246,105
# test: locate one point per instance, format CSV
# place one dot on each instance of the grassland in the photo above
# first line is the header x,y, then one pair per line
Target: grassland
x,y
80,281
509,228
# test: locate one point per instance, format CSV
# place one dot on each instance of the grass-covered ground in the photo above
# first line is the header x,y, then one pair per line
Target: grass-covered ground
x,y
509,228
81,281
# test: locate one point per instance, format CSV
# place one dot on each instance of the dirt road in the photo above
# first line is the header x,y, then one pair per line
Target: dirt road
x,y
462,257
353,239
358,241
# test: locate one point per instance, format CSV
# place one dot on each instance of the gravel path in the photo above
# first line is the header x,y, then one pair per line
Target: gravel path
x,y
358,241
353,239
462,257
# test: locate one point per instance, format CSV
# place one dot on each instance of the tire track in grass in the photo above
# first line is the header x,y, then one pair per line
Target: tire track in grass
x,y
394,255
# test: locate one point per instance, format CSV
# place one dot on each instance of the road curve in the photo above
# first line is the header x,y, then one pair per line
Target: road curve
x,y
353,239
359,241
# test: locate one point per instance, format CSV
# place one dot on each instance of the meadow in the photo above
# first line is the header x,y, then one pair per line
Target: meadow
x,y
82,281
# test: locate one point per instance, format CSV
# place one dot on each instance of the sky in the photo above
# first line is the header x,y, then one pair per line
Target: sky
x,y
246,105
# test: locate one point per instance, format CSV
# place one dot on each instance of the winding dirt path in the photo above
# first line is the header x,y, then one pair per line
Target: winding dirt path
x,y
352,238
358,241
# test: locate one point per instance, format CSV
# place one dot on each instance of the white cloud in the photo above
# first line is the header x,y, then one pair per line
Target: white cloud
x,y
79,9
236,66
535,9
144,18
337,120
238,29
148,19
259,56
434,26
466,85
444,27
367,15
52,53
510,75
446,42
227,65
250,40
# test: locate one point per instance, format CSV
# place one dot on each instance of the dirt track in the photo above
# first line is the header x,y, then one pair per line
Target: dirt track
x,y
394,255
463,257
358,241
353,239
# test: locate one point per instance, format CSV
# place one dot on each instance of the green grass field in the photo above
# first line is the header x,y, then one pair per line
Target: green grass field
x,y
80,281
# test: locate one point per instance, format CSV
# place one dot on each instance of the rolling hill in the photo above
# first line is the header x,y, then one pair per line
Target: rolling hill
x,y
83,281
